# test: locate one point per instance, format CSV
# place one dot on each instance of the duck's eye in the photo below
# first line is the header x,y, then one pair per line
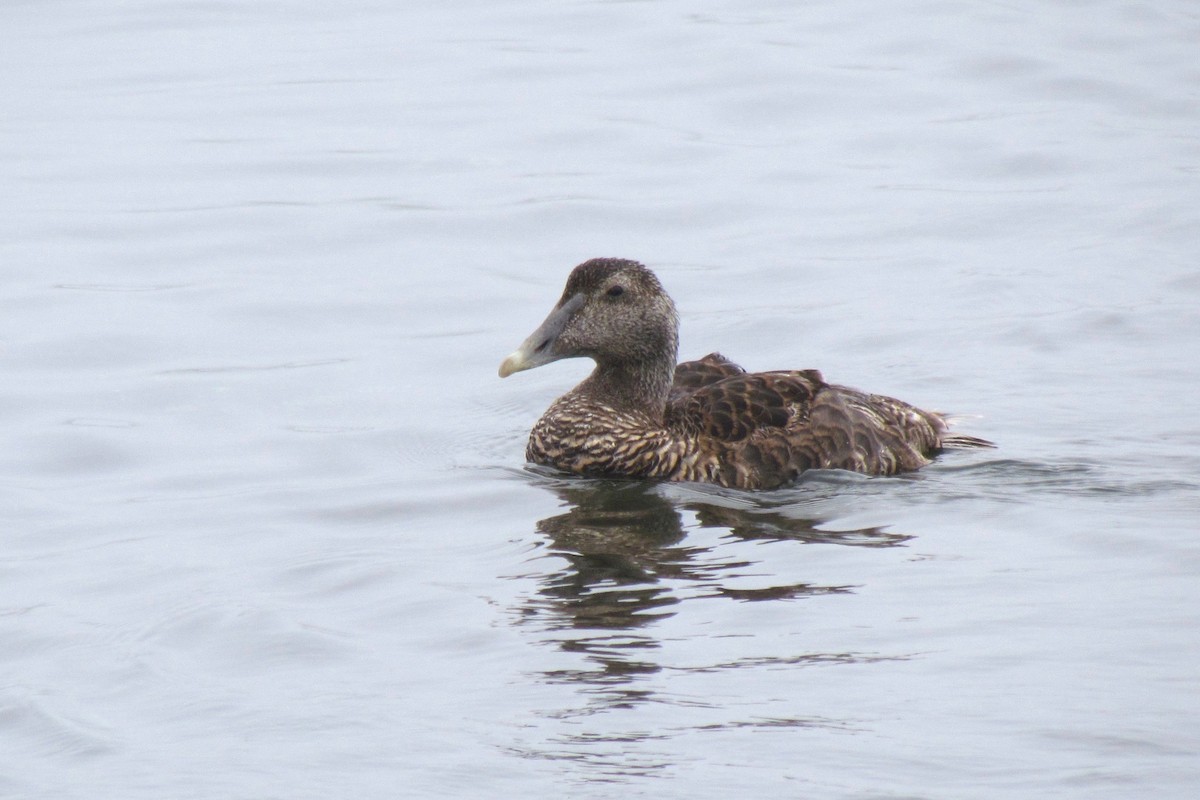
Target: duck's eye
x,y
616,291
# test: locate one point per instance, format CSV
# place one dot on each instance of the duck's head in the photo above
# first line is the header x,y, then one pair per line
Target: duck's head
x,y
613,311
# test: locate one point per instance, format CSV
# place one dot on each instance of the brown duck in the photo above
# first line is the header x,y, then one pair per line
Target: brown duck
x,y
640,415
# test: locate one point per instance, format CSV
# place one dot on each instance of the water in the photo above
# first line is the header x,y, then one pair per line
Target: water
x,y
267,530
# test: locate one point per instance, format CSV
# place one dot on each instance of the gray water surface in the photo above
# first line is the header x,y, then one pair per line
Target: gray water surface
x,y
265,525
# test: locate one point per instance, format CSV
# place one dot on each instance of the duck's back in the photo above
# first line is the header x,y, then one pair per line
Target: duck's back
x,y
761,430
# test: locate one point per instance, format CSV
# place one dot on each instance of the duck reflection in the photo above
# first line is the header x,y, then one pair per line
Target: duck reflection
x,y
628,564
617,541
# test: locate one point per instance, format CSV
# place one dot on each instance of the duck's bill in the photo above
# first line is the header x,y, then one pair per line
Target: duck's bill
x,y
540,348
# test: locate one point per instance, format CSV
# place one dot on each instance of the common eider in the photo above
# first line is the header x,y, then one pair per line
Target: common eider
x,y
640,415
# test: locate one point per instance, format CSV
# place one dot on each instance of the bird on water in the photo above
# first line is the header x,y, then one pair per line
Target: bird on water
x,y
642,415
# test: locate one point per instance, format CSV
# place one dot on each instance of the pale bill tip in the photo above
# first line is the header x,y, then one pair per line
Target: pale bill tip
x,y
514,363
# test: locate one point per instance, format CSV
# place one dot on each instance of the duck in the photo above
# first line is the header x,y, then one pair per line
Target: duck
x,y
640,414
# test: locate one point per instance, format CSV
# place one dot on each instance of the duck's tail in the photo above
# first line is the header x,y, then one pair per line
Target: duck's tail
x,y
960,441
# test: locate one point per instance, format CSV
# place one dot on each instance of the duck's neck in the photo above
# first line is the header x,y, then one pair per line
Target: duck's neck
x,y
638,386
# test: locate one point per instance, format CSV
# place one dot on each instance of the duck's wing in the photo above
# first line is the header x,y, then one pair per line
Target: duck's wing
x,y
747,430
763,429
693,375
734,408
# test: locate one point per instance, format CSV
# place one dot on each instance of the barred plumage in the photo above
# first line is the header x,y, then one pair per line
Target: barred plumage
x,y
639,415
